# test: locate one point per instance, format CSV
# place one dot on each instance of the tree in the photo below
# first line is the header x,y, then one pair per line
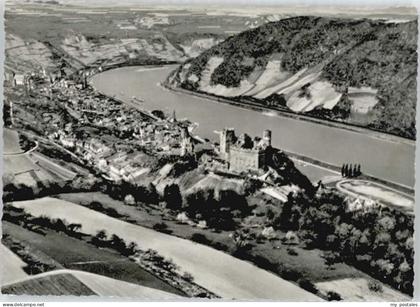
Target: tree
x,y
200,203
129,200
221,218
346,170
358,171
331,258
354,170
139,192
375,286
159,114
60,225
131,248
99,238
74,227
333,296
387,223
118,244
350,171
241,240
188,277
291,212
172,197
231,200
25,192
251,185
153,196
307,285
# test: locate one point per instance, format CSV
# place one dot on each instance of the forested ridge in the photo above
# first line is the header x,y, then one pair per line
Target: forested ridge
x,y
348,53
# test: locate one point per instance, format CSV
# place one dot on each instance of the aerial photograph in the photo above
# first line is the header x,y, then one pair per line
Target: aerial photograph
x,y
179,152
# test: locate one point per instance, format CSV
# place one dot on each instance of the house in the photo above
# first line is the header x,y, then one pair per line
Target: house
x,y
19,80
116,164
68,141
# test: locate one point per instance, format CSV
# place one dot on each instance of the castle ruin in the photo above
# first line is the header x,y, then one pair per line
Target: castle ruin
x,y
242,153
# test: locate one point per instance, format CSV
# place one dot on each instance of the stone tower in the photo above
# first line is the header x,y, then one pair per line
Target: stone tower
x,y
227,137
187,144
267,137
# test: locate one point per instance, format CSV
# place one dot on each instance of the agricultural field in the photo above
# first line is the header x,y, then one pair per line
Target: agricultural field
x,y
11,142
71,282
24,54
358,290
11,266
18,164
28,170
100,35
29,167
77,254
216,271
51,284
102,201
105,286
307,263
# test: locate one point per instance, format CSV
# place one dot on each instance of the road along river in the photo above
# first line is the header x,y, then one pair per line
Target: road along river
x,y
214,270
380,157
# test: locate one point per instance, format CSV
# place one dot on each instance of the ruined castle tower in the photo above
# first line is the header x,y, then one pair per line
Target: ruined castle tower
x,y
267,137
227,138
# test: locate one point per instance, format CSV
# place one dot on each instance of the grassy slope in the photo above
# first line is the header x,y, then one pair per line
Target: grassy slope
x,y
12,266
309,263
271,255
64,284
79,255
351,53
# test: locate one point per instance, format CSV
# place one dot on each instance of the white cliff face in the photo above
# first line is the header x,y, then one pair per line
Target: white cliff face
x,y
320,93
212,64
303,91
270,76
196,47
220,90
363,99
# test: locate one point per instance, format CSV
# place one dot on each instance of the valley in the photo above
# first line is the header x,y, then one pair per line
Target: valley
x,y
172,153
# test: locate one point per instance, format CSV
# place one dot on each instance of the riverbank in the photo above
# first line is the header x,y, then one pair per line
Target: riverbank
x,y
303,158
248,104
335,168
332,167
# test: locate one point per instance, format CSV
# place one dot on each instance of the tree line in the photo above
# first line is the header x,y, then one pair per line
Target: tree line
x,y
219,209
350,170
377,240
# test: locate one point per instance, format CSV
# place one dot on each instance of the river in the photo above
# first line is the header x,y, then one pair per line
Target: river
x,y
380,157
